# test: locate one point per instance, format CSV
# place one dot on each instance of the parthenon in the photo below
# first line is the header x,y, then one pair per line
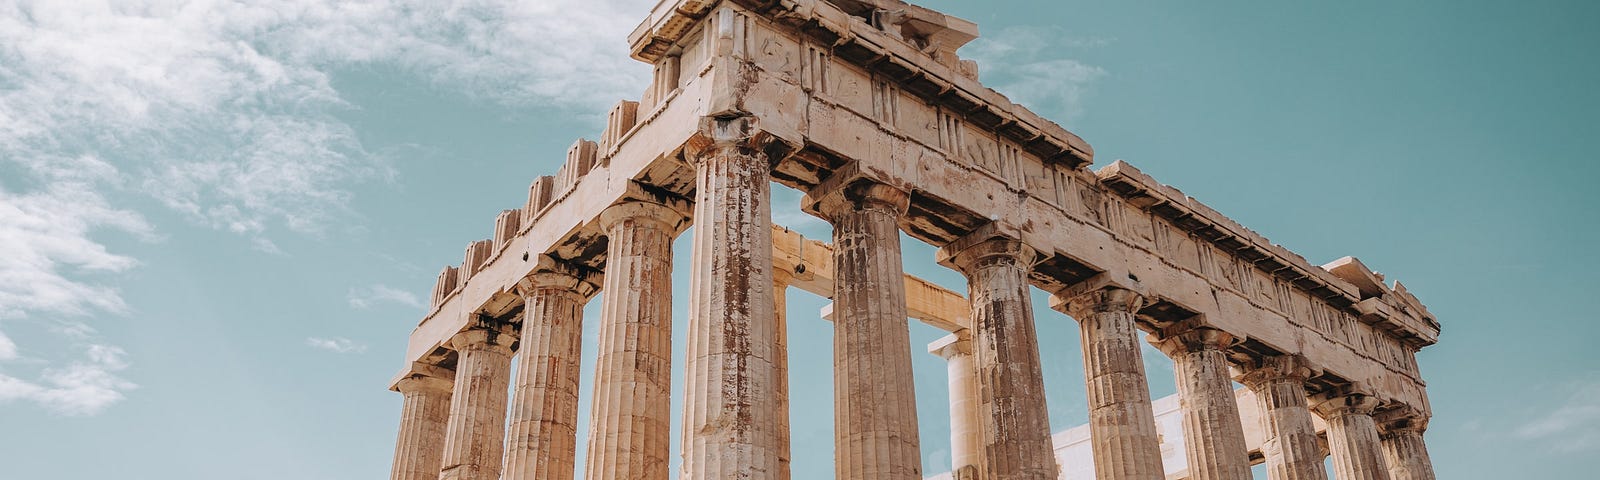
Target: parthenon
x,y
866,108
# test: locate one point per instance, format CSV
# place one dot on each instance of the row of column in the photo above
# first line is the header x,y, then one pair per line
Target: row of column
x,y
1122,426
735,406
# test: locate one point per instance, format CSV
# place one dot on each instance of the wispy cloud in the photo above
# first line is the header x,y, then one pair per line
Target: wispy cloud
x,y
336,345
84,387
226,112
1031,65
376,295
1573,425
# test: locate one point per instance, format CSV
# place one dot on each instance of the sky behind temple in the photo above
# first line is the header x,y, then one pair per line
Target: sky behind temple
x,y
219,221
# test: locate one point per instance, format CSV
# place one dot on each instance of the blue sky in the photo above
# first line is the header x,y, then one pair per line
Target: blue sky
x,y
219,220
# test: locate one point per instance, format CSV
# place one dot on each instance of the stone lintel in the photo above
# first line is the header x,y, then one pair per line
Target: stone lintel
x,y
1335,287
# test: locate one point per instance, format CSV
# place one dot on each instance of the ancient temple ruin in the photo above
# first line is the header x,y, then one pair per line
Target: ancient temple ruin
x,y
865,106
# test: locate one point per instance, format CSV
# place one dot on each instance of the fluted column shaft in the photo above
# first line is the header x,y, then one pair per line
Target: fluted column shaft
x,y
476,431
1406,453
875,405
966,413
630,420
1122,424
1016,420
1213,434
1353,436
731,414
419,448
542,443
780,364
1289,439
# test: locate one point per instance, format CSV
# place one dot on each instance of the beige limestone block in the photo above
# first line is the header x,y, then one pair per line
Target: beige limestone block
x,y
731,411
1121,423
1016,420
966,412
630,423
1352,434
780,346
1289,438
419,448
1213,434
875,405
475,436
542,442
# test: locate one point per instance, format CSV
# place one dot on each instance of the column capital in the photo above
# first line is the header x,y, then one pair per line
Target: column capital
x,y
741,133
1110,299
1275,368
959,343
1191,336
670,212
1401,421
485,333
549,272
424,383
1354,399
986,245
848,190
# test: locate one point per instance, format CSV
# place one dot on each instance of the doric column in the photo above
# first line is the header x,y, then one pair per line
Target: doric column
x,y
780,363
542,443
1352,434
420,447
1403,449
731,412
875,405
630,419
1289,440
476,432
966,413
1016,421
1122,425
1213,434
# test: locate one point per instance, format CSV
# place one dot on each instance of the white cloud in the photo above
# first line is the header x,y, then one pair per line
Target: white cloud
x,y
375,295
45,235
336,345
8,348
84,387
1573,425
1028,65
226,112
